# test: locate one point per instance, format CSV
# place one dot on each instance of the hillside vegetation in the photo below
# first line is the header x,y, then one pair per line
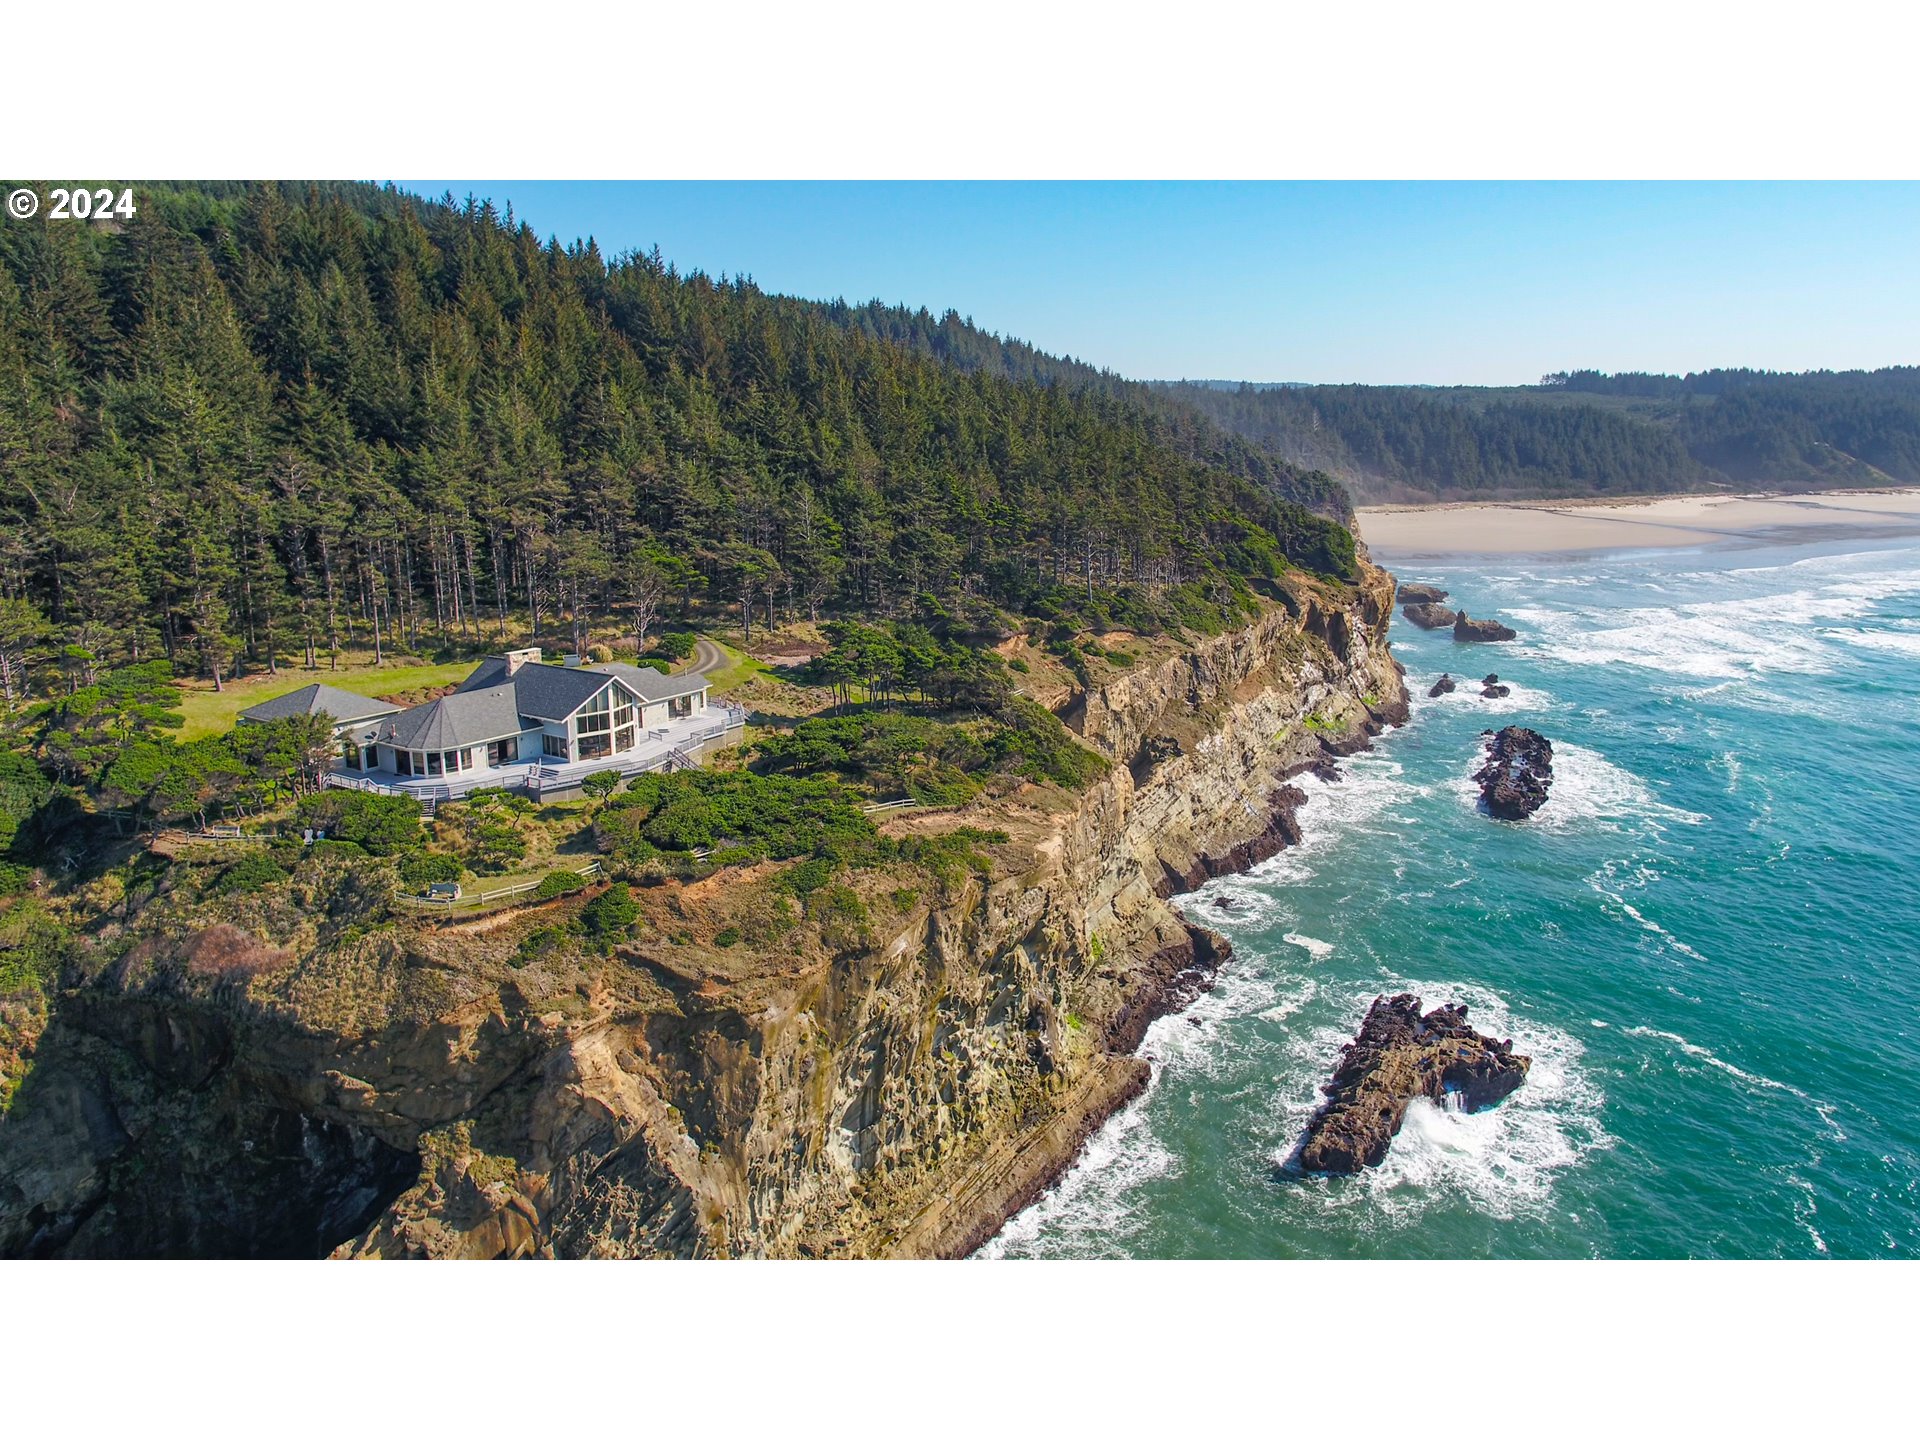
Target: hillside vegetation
x,y
261,420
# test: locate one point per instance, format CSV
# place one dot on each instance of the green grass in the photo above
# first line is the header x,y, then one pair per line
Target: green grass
x,y
738,671
213,712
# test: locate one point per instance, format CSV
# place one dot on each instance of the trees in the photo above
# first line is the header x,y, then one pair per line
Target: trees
x,y
256,421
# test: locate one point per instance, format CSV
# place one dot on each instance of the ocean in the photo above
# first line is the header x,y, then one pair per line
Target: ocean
x,y
1708,941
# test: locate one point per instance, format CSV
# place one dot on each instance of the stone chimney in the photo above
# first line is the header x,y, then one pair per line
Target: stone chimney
x,y
516,658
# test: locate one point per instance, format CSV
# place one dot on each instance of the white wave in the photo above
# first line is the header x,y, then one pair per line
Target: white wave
x,y
1468,696
1503,1160
1319,949
1892,642
1760,1082
1091,1205
1587,787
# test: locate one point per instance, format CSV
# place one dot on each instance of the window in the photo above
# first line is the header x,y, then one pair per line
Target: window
x,y
680,707
595,747
371,759
350,754
624,739
554,745
433,762
403,762
503,752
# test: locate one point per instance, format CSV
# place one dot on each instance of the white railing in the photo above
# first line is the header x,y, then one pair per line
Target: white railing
x,y
487,897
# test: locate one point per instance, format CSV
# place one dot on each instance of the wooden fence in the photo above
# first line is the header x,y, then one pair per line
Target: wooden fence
x,y
486,898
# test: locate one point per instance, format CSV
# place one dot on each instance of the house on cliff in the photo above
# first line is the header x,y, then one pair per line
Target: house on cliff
x,y
518,723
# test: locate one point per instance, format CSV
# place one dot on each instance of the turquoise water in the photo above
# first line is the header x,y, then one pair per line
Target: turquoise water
x,y
1708,940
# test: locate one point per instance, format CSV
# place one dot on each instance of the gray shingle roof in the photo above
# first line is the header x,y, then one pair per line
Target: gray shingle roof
x,y
452,721
544,692
651,684
340,705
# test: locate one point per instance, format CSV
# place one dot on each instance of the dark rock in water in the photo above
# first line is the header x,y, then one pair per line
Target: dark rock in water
x,y
1491,680
1443,686
1429,616
1398,1056
1225,902
1495,692
1420,594
1466,628
1513,783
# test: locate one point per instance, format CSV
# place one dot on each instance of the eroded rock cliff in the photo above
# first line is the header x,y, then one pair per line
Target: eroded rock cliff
x,y
419,1092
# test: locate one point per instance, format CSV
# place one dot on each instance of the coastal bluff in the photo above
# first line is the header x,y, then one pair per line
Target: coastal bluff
x,y
899,1090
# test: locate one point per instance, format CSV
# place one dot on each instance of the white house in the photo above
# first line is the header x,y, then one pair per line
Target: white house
x,y
518,723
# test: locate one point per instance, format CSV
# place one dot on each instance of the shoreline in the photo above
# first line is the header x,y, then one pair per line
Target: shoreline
x,y
1597,525
1165,994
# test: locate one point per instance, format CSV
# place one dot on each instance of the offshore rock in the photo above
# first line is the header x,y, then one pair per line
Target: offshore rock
x,y
1429,616
1466,628
1443,686
1398,1056
1420,594
1513,783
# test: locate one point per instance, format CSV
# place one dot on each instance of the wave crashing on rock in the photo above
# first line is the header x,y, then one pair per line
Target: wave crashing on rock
x,y
1519,769
1399,1056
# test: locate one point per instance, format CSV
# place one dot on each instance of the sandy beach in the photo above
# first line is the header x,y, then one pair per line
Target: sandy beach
x,y
1543,528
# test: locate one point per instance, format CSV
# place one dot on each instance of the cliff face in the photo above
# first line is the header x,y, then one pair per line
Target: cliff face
x,y
901,1098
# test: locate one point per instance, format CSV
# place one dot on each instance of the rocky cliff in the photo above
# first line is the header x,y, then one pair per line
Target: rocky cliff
x,y
418,1092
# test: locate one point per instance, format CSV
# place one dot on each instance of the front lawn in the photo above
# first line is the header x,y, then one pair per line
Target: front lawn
x,y
213,712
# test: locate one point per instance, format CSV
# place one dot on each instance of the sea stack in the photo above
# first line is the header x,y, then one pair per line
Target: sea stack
x,y
1513,783
1467,629
1420,595
1398,1056
1429,616
1443,686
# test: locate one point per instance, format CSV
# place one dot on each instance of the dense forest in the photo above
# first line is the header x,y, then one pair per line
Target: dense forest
x,y
1576,433
1582,432
259,423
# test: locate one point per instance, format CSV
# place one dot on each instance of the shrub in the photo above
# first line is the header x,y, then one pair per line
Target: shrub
x,y
610,914
807,877
842,917
254,870
1018,666
336,850
756,815
600,654
488,828
727,938
942,785
1033,743
674,645
655,664
421,870
601,783
557,883
13,878
378,824
547,940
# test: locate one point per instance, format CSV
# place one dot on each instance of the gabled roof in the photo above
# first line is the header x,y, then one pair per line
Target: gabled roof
x,y
341,706
456,720
650,684
543,692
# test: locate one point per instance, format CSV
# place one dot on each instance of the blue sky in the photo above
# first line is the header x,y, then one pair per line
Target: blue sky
x,y
1430,283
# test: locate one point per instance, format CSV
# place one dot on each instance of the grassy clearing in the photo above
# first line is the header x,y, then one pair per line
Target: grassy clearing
x,y
213,712
739,669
